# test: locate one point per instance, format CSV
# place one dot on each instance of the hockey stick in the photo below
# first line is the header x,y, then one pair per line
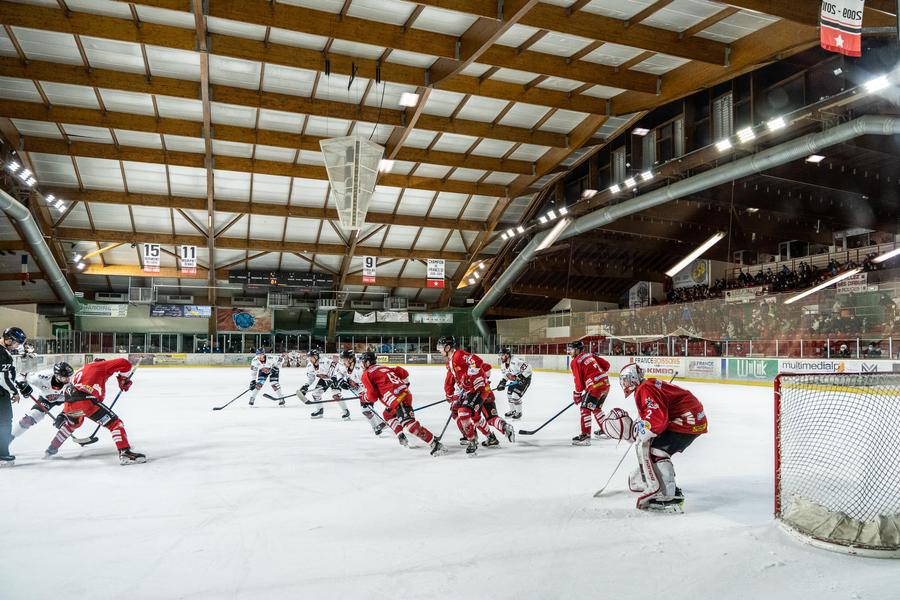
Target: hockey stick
x,y
277,398
332,400
444,430
93,438
230,401
616,470
428,405
547,422
45,410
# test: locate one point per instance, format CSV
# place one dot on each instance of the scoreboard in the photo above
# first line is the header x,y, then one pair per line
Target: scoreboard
x,y
292,279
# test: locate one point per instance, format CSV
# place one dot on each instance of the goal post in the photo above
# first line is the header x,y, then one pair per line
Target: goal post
x,y
837,461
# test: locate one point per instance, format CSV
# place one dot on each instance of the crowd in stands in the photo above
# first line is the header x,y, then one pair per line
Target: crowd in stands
x,y
782,280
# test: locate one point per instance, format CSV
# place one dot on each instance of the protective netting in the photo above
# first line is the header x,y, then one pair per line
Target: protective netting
x,y
837,464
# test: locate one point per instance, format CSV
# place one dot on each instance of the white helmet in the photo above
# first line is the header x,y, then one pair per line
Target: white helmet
x,y
630,376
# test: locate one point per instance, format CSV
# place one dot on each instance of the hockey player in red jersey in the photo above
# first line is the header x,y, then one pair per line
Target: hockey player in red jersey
x,y
591,388
669,419
84,398
477,402
390,386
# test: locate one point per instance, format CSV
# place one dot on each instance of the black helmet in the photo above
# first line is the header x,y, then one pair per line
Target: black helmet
x,y
313,353
368,357
447,340
576,345
14,334
505,350
348,354
63,369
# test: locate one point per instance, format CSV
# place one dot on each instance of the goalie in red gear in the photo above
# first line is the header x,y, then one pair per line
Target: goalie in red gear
x,y
476,406
390,385
591,388
84,398
669,420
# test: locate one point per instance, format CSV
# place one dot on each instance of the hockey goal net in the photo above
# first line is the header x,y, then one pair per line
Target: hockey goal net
x,y
837,461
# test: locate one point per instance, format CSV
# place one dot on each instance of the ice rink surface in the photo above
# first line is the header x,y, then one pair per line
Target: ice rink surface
x,y
264,503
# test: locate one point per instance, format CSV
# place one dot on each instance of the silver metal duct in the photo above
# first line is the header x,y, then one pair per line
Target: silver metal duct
x,y
767,159
39,249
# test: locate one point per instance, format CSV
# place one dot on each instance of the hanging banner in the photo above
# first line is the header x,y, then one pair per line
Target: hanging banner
x,y
696,273
432,317
102,309
180,310
841,26
639,295
369,263
151,258
364,317
856,283
248,320
391,316
435,272
188,260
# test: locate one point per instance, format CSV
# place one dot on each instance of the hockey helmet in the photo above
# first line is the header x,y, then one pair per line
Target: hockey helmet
x,y
368,357
260,351
15,334
63,369
313,353
348,354
630,376
576,345
504,351
446,340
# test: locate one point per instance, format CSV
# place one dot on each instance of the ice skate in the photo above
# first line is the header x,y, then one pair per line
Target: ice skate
x,y
471,447
129,457
7,460
379,428
50,452
437,449
281,402
510,414
318,414
491,441
601,435
463,441
401,437
252,400
583,439
346,415
510,433
673,505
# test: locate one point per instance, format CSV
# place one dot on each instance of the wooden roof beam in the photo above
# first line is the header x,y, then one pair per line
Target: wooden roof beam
x,y
230,243
164,86
245,165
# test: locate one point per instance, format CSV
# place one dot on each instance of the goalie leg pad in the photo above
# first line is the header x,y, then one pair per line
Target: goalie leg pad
x,y
665,472
636,481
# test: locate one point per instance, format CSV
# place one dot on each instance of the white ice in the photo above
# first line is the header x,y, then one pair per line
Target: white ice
x,y
264,503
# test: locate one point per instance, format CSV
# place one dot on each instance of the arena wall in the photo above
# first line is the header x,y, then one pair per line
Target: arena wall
x,y
742,371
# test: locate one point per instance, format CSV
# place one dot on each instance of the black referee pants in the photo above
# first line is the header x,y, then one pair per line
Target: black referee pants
x,y
5,422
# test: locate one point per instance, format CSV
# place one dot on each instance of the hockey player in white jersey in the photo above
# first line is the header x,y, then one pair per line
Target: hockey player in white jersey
x,y
320,378
264,367
294,359
349,377
516,379
49,387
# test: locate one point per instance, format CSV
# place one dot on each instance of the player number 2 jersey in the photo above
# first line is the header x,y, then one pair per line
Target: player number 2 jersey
x,y
669,407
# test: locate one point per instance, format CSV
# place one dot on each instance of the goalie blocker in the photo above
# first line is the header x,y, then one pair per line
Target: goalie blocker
x,y
669,420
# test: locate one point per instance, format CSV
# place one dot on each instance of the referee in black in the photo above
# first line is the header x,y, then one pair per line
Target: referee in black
x,y
13,339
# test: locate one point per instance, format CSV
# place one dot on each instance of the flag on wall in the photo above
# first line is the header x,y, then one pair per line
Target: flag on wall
x,y
841,26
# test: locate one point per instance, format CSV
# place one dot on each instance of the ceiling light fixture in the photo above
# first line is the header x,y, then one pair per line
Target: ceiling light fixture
x,y
615,189
695,254
752,210
647,175
542,219
476,275
723,145
640,131
80,266
471,281
13,166
510,232
877,84
823,285
77,258
520,229
815,158
551,214
60,205
887,255
385,165
630,182
409,99
776,124
746,135
504,236
563,211
588,194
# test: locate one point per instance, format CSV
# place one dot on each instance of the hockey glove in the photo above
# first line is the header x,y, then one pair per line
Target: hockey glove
x,y
641,431
25,388
253,385
501,385
344,385
577,397
124,382
304,389
60,420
